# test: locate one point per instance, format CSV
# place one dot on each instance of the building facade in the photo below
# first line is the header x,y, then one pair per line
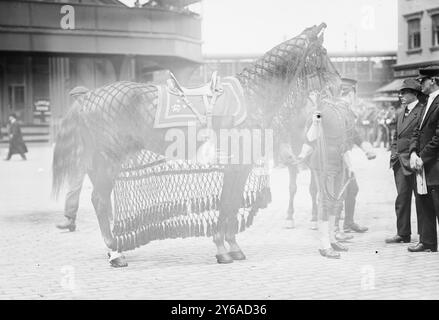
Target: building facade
x,y
418,44
371,69
49,47
418,36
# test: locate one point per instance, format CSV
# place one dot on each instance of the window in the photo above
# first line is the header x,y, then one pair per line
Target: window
x,y
414,29
435,23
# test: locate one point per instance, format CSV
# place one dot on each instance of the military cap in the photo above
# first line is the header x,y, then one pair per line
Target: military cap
x,y
429,72
76,91
411,84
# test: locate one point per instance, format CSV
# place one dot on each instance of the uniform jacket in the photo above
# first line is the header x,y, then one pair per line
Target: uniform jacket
x,y
425,142
338,125
400,148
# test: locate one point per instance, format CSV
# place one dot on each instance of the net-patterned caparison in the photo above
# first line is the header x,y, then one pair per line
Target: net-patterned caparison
x,y
155,198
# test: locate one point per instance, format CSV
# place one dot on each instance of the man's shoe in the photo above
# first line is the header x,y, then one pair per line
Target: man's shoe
x,y
341,236
337,246
355,228
67,224
329,253
314,225
420,247
398,239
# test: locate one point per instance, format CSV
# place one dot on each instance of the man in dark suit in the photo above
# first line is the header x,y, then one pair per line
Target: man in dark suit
x,y
406,122
424,157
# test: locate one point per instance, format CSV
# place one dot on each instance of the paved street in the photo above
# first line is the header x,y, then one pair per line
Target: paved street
x,y
42,262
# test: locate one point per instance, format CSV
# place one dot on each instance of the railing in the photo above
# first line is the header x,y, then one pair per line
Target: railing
x,y
46,16
36,133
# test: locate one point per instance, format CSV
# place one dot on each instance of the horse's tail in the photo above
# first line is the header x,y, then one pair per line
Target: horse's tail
x,y
69,151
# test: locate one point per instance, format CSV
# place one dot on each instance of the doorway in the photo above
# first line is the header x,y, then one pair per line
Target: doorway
x,y
16,99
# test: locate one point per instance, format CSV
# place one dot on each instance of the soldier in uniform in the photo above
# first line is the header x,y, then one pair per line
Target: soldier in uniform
x,y
328,146
71,205
348,95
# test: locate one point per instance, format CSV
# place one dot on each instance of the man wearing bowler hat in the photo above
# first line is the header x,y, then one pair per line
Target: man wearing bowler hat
x,y
406,122
424,158
71,205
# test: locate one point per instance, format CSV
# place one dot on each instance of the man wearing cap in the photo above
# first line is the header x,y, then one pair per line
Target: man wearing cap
x,y
406,122
348,94
71,205
424,157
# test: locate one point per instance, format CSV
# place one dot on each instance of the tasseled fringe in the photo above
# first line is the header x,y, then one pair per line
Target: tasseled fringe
x,y
152,218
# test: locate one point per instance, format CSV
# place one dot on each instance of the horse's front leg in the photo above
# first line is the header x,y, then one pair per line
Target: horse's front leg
x,y
101,199
235,177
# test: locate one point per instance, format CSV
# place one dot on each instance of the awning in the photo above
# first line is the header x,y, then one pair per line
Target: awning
x,y
393,86
385,99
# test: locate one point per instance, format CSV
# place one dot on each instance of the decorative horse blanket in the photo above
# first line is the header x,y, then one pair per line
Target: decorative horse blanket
x,y
172,110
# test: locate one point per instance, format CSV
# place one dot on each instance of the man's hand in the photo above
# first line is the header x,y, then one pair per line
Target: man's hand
x,y
368,150
371,155
348,163
305,152
286,154
415,161
419,164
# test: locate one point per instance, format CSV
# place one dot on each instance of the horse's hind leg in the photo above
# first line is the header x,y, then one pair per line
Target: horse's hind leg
x,y
231,200
101,199
292,169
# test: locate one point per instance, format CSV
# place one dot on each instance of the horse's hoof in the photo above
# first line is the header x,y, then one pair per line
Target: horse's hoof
x,y
119,260
237,255
118,263
289,224
224,258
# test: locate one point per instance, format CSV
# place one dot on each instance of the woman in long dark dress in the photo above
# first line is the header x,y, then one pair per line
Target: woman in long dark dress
x,y
16,142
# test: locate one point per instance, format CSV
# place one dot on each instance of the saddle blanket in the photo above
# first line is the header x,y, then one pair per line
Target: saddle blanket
x,y
172,111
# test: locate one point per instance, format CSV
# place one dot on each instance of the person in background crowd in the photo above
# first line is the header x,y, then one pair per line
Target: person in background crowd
x,y
406,121
71,205
16,142
382,130
391,125
367,123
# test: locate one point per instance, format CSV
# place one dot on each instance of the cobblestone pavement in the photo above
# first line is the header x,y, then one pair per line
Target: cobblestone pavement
x,y
42,262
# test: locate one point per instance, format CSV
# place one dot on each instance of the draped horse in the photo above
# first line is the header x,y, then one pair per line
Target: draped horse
x,y
111,136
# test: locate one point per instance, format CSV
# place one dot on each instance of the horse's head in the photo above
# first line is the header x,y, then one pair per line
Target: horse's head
x,y
285,75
